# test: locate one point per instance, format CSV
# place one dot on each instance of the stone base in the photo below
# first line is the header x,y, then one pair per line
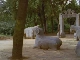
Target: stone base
x,y
58,34
75,35
78,49
62,35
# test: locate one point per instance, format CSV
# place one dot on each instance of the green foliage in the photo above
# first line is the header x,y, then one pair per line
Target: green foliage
x,y
6,20
67,28
73,6
52,8
6,27
49,26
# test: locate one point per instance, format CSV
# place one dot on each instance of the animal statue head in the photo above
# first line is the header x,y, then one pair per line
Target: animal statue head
x,y
38,31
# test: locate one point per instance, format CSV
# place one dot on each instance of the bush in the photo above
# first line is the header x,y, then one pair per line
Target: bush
x,y
6,28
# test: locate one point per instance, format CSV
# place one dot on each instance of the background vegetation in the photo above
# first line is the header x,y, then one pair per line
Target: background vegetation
x,y
40,12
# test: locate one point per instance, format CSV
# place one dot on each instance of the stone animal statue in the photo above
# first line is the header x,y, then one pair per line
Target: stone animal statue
x,y
29,32
46,42
78,49
77,29
78,35
74,28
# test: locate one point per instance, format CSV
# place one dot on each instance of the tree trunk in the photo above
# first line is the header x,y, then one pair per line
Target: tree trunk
x,y
35,22
43,17
52,24
39,14
52,16
14,8
19,29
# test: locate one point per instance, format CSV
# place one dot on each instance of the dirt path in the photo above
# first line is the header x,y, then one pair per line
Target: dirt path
x,y
67,51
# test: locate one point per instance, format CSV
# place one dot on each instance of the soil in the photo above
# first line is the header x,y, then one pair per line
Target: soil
x,y
67,51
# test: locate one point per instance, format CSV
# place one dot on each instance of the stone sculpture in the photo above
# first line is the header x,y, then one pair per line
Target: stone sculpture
x,y
45,42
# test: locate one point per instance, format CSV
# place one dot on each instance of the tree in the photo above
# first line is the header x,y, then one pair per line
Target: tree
x,y
19,29
43,16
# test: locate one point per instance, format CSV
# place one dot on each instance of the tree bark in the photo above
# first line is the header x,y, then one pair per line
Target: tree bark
x,y
52,24
19,29
39,14
43,17
35,22
52,16
14,9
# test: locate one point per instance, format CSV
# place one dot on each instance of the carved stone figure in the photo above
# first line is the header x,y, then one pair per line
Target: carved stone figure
x,y
78,49
77,29
46,42
74,28
29,32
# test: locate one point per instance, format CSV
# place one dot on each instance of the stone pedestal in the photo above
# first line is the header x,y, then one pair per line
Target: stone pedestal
x,y
58,34
61,23
77,24
77,19
62,35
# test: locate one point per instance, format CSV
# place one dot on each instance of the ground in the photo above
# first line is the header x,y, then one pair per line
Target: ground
x,y
67,51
